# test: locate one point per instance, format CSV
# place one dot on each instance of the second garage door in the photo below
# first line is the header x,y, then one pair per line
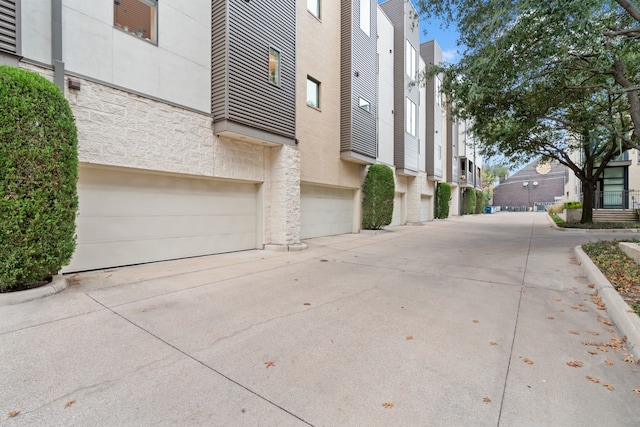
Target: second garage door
x,y
129,217
325,211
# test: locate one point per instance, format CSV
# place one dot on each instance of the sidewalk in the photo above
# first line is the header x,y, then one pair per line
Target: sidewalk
x,y
469,321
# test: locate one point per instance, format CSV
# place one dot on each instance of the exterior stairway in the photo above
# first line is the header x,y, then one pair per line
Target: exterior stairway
x,y
615,215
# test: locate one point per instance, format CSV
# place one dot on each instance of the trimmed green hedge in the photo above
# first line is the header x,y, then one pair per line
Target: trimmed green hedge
x,y
482,199
38,176
378,192
443,198
572,205
469,202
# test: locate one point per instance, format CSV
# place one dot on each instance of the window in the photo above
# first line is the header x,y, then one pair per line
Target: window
x,y
313,6
439,152
274,66
364,104
137,17
411,61
313,92
410,113
365,16
439,91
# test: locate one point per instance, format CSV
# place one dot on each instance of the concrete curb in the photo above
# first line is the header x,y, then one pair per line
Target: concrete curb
x,y
58,284
592,230
627,321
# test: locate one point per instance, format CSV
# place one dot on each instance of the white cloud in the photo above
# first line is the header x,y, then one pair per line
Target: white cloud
x,y
450,55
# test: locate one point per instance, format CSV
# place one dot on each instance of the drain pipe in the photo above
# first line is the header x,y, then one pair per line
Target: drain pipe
x,y
56,43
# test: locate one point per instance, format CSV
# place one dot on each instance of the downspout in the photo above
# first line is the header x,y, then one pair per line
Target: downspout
x,y
56,43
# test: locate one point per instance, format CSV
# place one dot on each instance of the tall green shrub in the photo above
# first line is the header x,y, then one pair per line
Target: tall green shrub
x,y
443,197
378,193
38,176
481,201
469,202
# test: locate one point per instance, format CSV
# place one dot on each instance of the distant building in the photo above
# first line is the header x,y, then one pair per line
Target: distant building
x,y
537,184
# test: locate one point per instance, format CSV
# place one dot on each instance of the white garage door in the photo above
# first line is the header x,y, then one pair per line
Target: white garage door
x,y
398,210
325,211
127,217
426,211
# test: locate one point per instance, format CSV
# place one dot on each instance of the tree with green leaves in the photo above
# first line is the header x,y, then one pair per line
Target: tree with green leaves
x,y
492,172
556,80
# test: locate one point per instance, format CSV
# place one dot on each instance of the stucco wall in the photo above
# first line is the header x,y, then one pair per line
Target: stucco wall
x,y
177,69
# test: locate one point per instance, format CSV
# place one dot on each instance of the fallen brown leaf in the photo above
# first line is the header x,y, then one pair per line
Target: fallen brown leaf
x,y
593,379
69,403
608,362
13,414
593,352
324,260
629,359
527,361
574,332
605,321
593,333
476,321
637,390
575,307
603,349
591,285
307,303
550,317
409,337
387,405
486,400
493,343
269,364
575,363
608,386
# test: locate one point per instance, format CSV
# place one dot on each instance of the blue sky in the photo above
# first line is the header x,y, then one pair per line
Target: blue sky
x,y
446,37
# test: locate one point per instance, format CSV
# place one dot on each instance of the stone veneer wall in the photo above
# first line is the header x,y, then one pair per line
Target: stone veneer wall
x,y
119,128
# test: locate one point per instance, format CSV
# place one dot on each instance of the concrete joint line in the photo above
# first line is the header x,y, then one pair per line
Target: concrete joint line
x,y
200,362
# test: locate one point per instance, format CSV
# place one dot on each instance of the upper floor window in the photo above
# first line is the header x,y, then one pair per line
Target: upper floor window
x,y
411,58
137,17
410,118
313,92
274,66
438,91
365,16
313,6
364,104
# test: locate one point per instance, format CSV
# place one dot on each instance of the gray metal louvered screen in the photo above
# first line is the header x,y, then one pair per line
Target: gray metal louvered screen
x,y
9,23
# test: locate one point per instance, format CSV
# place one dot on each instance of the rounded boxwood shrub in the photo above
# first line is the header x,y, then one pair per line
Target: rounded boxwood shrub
x,y
469,202
38,177
378,192
443,197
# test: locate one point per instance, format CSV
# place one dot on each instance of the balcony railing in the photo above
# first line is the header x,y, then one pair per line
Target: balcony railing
x,y
621,199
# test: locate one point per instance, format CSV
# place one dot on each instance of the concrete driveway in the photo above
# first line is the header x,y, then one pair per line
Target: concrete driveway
x,y
469,321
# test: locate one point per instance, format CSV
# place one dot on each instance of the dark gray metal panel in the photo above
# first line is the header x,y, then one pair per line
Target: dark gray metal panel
x,y
241,89
10,26
346,30
359,79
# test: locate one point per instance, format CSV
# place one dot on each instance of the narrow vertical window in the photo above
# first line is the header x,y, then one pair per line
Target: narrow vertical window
x,y
313,92
313,6
411,60
137,17
365,16
410,118
439,91
274,66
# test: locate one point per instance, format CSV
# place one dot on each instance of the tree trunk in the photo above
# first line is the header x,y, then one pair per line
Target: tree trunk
x,y
588,189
